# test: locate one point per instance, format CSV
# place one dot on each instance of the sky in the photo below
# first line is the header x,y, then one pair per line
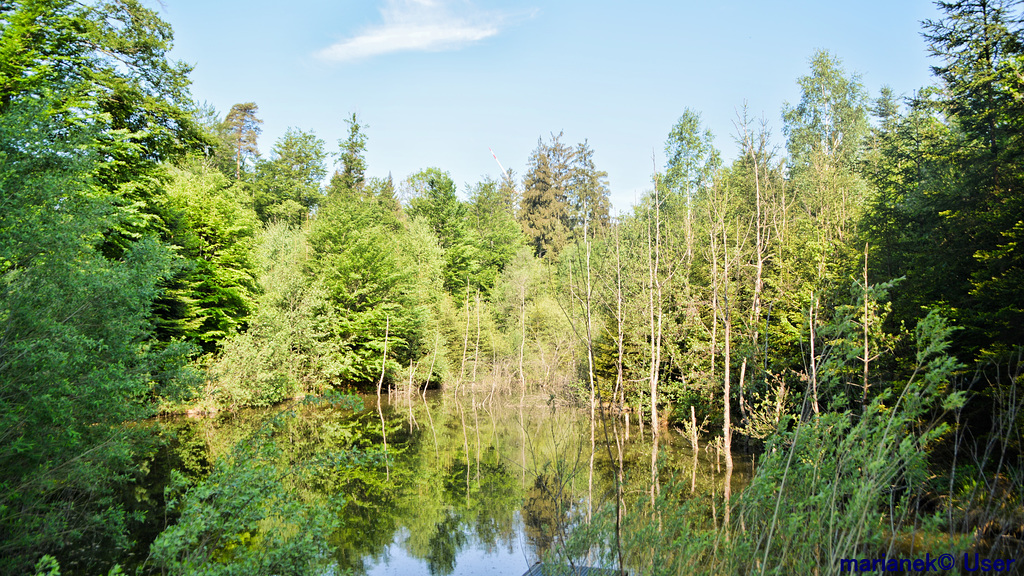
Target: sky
x,y
440,82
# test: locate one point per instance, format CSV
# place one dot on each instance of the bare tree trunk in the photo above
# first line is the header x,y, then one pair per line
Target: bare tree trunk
x,y
727,373
380,411
465,346
714,298
590,374
761,241
408,397
867,319
433,358
522,341
476,349
727,365
619,339
814,360
619,510
653,259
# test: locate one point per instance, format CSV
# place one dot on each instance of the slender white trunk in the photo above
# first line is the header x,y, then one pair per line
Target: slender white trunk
x,y
380,411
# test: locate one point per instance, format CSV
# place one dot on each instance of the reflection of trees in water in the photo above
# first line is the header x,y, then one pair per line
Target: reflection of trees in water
x,y
445,543
545,512
531,461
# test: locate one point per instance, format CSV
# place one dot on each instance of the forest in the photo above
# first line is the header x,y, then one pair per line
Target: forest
x,y
847,304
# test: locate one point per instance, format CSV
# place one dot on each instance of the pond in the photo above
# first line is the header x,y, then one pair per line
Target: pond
x,y
460,484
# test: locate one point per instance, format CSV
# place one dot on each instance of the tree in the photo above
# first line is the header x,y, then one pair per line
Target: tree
x,y
364,263
692,158
543,210
288,186
588,192
825,135
217,146
76,356
90,107
212,229
244,129
491,216
979,47
351,177
436,202
103,65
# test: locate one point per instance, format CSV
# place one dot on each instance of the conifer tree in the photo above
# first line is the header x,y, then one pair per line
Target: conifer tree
x,y
244,128
543,210
352,176
979,47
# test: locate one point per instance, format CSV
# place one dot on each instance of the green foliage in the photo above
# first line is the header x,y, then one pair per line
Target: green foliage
x,y
363,259
212,229
491,216
76,359
692,158
978,44
279,355
351,178
843,484
216,146
249,516
543,210
857,474
830,121
437,204
103,67
242,128
589,205
287,187
328,298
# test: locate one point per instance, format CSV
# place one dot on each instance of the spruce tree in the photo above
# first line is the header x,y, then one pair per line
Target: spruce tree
x,y
352,176
544,210
979,48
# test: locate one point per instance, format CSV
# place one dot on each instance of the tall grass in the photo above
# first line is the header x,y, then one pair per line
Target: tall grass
x,y
850,484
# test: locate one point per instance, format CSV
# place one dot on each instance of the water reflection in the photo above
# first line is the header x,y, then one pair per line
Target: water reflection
x,y
469,484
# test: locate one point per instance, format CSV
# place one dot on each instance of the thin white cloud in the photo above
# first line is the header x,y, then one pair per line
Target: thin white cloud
x,y
415,25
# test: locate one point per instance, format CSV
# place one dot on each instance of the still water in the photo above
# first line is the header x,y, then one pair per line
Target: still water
x,y
463,484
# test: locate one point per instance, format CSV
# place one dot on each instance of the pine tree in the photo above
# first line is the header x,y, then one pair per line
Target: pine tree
x,y
244,127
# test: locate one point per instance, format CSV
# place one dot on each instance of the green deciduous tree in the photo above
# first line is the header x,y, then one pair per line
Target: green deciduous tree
x,y
825,135
435,201
288,186
692,158
210,224
76,358
364,261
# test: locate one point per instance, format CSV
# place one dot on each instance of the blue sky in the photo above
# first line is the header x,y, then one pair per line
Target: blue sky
x,y
441,81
